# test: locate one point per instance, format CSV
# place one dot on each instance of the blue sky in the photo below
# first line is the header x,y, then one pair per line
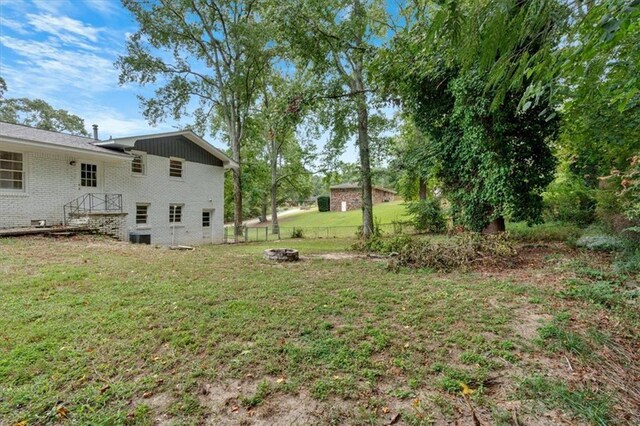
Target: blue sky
x,y
63,51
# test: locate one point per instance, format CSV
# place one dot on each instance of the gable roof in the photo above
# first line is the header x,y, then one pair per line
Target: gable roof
x,y
19,133
130,141
351,185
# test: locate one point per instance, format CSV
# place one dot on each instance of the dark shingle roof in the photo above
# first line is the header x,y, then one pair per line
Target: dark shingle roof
x,y
31,134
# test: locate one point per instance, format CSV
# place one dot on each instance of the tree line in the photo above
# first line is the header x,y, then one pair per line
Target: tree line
x,y
506,108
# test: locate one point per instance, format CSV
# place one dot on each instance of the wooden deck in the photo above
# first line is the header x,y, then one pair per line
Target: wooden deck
x,y
52,231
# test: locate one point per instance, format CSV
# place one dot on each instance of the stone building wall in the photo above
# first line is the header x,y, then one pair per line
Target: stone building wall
x,y
354,199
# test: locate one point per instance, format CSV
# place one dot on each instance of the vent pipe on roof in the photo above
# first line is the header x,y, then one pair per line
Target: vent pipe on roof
x,y
95,132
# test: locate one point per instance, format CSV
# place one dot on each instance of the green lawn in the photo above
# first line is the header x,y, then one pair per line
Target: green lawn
x,y
100,332
337,224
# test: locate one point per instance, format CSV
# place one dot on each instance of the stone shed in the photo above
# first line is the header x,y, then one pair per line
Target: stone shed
x,y
348,196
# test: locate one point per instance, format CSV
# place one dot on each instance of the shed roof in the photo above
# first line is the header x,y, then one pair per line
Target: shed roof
x,y
351,185
25,134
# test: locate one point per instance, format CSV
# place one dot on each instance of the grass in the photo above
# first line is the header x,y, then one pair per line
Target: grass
x,y
110,333
339,224
548,231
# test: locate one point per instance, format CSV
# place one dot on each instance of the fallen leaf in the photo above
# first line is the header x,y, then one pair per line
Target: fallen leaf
x,y
22,423
280,380
104,389
62,412
147,394
235,408
466,390
385,410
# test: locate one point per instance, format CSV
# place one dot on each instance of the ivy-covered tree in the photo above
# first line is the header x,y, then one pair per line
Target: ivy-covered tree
x,y
492,157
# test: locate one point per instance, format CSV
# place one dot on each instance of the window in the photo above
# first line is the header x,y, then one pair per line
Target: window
x,y
88,175
11,170
142,214
206,218
175,213
175,168
137,164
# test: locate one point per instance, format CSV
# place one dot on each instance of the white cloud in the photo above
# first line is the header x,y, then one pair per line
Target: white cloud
x,y
67,30
16,26
46,68
106,7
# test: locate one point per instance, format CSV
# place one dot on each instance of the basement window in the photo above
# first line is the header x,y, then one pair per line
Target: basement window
x,y
142,214
206,218
175,213
11,170
176,167
88,175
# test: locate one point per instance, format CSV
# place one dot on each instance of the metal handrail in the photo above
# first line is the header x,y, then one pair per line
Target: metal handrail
x,y
91,202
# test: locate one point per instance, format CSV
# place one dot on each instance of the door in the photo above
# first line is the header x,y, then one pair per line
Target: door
x,y
343,206
207,229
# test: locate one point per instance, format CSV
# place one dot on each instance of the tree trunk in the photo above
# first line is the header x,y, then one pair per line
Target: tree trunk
x,y
495,226
275,229
423,189
365,165
237,199
263,209
237,178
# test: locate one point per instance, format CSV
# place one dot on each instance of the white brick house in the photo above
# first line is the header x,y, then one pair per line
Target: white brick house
x,y
165,187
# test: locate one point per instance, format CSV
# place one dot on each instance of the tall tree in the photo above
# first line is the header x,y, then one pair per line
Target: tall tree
x,y
214,51
282,110
492,158
344,35
38,113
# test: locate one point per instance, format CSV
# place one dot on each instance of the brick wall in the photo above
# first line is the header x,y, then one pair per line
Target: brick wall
x,y
354,199
112,224
52,181
200,189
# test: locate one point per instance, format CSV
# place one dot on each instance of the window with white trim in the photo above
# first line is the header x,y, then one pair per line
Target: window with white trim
x,y
206,218
142,214
88,175
176,167
11,170
175,213
138,164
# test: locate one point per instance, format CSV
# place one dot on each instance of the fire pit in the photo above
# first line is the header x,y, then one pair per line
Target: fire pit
x,y
282,255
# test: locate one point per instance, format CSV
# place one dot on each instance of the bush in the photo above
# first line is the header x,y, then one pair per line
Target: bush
x,y
297,233
427,215
324,203
569,200
601,243
548,231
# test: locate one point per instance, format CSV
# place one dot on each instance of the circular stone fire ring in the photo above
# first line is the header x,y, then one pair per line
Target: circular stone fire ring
x,y
282,255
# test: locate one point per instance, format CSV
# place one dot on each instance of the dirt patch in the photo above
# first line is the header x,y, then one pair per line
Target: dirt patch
x,y
528,322
338,256
222,402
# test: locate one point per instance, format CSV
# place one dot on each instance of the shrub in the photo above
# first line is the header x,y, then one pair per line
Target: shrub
x,y
427,215
601,243
297,233
324,203
569,200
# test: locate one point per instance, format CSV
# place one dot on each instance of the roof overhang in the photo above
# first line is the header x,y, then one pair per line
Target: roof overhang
x,y
129,142
18,143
